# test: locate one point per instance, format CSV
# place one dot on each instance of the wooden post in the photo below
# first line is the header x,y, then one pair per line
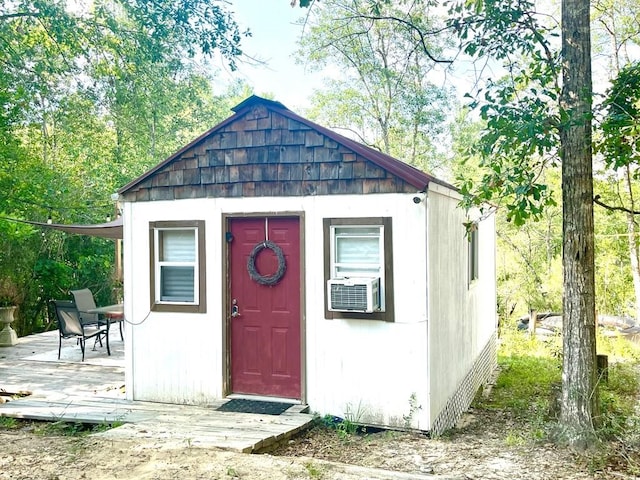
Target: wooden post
x,y
118,259
603,368
533,320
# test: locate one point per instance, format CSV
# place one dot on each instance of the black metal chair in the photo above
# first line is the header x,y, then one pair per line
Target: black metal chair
x,y
70,326
84,301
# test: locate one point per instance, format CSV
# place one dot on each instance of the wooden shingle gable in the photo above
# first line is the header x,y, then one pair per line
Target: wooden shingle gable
x,y
266,150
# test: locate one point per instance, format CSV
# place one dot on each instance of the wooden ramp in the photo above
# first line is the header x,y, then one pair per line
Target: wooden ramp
x,y
92,392
174,424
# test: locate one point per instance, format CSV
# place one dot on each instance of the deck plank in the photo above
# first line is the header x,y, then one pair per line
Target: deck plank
x,y
90,392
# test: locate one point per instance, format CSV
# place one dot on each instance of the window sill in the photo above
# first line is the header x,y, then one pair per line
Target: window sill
x,y
178,308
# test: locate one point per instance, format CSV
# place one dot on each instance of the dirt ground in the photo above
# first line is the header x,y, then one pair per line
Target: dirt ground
x,y
488,447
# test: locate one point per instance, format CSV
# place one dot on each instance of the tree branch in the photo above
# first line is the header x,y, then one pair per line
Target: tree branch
x,y
420,33
597,201
10,16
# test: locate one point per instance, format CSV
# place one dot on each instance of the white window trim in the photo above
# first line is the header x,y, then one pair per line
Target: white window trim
x,y
158,264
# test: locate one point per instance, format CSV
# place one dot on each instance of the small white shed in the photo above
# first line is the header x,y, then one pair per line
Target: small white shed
x,y
272,257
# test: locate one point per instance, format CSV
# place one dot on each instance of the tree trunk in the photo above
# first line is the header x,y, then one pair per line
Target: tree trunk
x,y
579,396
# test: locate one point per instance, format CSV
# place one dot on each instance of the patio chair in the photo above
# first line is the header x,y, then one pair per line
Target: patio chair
x,y
85,302
70,326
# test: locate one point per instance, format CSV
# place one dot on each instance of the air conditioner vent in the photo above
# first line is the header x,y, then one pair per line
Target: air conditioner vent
x,y
354,294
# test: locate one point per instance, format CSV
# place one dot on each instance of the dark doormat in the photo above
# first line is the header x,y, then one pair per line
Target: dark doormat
x,y
242,405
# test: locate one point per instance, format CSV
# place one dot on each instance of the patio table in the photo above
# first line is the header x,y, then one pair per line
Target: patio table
x,y
113,313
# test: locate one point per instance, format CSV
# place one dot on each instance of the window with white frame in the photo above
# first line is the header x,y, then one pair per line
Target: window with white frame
x,y
177,266
360,248
357,251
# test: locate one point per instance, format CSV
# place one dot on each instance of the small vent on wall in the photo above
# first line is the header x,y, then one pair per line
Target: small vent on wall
x,y
354,294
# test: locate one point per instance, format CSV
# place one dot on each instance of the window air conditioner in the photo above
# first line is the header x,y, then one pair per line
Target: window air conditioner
x,y
354,294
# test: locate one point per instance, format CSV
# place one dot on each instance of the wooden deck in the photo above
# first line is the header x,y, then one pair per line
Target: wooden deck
x,y
93,392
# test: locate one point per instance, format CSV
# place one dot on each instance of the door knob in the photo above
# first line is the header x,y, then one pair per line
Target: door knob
x,y
235,310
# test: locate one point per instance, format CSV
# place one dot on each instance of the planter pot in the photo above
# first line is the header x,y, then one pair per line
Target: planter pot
x,y
8,335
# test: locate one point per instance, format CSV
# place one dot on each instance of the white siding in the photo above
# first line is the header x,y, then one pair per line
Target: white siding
x,y
171,357
369,369
462,316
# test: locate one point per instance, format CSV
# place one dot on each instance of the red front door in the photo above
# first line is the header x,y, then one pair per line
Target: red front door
x,y
265,319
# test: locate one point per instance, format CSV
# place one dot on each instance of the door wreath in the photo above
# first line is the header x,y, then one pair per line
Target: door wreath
x,y
251,264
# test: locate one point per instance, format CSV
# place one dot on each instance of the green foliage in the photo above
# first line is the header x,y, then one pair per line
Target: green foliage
x,y
620,145
614,30
617,144
528,387
529,260
66,429
518,343
530,370
91,97
414,407
502,29
313,470
525,382
163,27
344,428
520,112
615,293
20,244
618,348
618,402
72,429
8,423
529,263
465,131
386,95
55,277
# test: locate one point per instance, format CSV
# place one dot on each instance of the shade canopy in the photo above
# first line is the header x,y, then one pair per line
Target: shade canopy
x,y
111,229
